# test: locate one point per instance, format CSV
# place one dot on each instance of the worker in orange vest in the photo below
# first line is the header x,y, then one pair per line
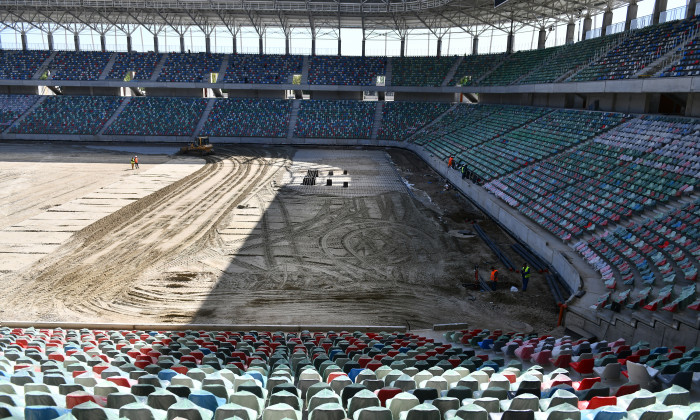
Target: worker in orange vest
x,y
450,162
494,278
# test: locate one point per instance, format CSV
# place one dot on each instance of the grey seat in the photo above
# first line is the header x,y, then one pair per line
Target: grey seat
x,y
372,413
328,411
231,410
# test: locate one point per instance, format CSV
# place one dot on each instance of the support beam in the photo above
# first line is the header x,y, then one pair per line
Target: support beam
x,y
587,23
659,7
49,40
511,41
607,21
339,47
313,44
475,45
261,45
364,41
570,29
76,41
207,44
155,43
632,14
182,43
235,44
541,38
287,44
23,35
690,12
403,46
129,44
439,47
103,42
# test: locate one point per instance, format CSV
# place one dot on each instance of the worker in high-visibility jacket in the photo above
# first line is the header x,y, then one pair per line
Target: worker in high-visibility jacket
x,y
494,278
525,272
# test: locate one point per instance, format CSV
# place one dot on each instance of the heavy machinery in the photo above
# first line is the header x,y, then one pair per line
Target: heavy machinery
x,y
200,146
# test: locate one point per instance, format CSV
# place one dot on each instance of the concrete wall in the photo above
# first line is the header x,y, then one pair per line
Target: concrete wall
x,y
256,93
90,90
425,97
19,90
192,92
336,95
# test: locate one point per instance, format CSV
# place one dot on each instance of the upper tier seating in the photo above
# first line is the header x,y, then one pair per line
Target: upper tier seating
x,y
155,116
335,119
69,115
195,67
420,71
267,69
473,67
248,118
639,49
21,65
342,70
142,64
401,119
45,373
12,106
571,57
78,65
517,65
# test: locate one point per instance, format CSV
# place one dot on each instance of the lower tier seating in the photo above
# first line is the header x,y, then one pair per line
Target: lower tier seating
x,y
154,116
248,118
69,115
402,119
335,119
12,106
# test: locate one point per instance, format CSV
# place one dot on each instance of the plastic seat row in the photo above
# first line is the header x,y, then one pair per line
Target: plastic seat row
x,y
21,65
335,119
345,70
141,65
156,116
78,65
69,115
517,65
12,106
420,71
473,67
195,67
266,69
400,120
248,118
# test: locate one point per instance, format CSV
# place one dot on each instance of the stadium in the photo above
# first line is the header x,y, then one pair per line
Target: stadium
x,y
413,210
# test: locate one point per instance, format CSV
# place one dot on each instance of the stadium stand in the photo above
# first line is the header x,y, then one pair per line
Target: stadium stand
x,y
473,67
639,49
420,71
85,373
400,120
153,116
267,69
78,65
570,58
142,64
21,65
340,70
248,118
12,106
195,67
340,119
69,115
519,65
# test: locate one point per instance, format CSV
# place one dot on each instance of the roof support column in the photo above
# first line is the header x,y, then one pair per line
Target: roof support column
x,y
207,44
261,45
690,11
76,41
103,43
313,44
49,40
659,7
403,46
632,14
235,44
587,23
364,41
541,39
339,45
155,43
607,21
570,29
129,45
511,40
475,45
182,42
439,47
23,36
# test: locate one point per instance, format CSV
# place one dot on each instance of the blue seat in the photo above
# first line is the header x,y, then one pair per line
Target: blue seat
x,y
166,374
38,412
354,372
206,399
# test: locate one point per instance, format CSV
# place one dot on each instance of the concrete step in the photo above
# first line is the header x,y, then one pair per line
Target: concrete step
x,y
44,66
378,113
159,67
31,109
305,71
108,67
114,116
387,72
296,103
223,68
451,74
205,117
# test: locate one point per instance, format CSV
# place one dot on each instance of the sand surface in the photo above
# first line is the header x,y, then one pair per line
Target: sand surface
x,y
240,240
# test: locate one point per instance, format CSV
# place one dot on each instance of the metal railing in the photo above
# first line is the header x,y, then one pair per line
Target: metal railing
x,y
677,13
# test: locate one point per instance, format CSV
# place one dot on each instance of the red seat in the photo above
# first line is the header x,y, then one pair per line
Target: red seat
x,y
387,393
77,398
586,383
583,367
627,389
597,402
562,361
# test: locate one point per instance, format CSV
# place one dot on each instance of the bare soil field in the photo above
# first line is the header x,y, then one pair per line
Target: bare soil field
x,y
241,240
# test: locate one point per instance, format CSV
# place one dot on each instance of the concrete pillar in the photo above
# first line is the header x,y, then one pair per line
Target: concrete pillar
x,y
439,47
103,43
155,43
570,28
587,23
313,45
49,40
607,21
364,41
235,45
287,44
207,44
475,45
403,46
659,6
541,38
182,43
76,41
690,12
339,45
23,35
129,44
511,40
261,45
631,14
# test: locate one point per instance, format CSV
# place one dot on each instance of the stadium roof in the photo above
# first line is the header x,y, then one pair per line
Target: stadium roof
x,y
400,16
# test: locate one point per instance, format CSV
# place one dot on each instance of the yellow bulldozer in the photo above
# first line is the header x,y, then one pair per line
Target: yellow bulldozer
x,y
200,146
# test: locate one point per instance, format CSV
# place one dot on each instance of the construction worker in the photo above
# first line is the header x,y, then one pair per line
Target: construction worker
x,y
451,162
132,163
136,160
494,278
463,170
525,272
